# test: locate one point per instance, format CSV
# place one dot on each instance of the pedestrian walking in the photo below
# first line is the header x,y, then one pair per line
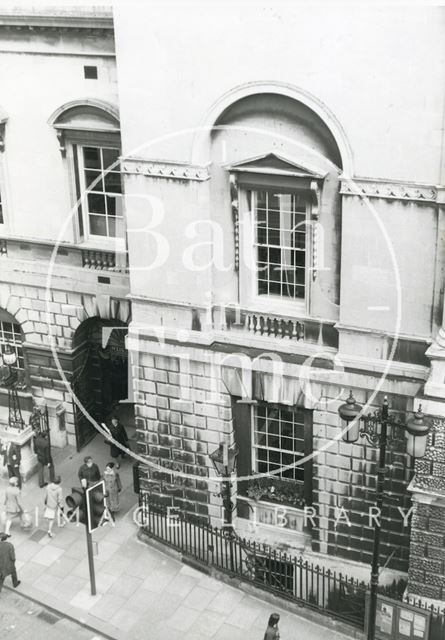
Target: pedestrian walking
x,y
272,631
118,433
7,561
12,458
53,503
89,473
113,487
42,449
13,505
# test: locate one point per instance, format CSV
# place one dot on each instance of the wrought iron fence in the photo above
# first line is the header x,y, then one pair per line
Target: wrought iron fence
x,y
295,579
290,577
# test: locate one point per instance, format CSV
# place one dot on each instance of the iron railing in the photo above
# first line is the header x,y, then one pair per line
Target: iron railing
x,y
290,577
306,583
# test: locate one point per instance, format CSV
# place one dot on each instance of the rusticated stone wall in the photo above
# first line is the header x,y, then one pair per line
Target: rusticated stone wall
x,y
426,577
178,427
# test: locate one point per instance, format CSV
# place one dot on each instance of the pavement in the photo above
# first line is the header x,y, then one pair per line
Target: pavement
x,y
25,620
142,593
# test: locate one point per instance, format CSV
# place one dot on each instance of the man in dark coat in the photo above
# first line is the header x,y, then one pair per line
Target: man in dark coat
x,y
89,473
118,433
7,561
44,461
12,458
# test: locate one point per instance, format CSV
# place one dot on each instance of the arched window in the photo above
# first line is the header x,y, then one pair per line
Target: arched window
x,y
280,165
89,138
11,333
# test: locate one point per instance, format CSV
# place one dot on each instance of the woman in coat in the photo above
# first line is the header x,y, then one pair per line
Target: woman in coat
x,y
53,503
13,506
272,632
113,487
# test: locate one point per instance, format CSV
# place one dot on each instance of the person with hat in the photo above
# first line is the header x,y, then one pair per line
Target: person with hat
x,y
7,561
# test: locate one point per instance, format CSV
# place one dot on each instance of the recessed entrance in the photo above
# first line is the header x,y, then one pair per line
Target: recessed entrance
x,y
100,374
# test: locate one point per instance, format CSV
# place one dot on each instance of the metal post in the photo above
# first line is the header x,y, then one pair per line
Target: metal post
x,y
228,510
379,501
90,551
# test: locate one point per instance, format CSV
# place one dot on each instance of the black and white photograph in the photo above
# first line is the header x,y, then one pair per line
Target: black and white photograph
x,y
222,320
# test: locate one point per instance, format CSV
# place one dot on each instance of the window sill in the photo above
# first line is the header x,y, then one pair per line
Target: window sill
x,y
276,306
117,245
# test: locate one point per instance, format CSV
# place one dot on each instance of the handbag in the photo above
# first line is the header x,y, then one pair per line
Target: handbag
x,y
25,520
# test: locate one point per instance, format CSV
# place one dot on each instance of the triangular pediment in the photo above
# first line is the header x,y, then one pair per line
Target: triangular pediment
x,y
273,163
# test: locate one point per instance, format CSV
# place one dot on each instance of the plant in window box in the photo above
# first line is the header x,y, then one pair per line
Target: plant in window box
x,y
277,490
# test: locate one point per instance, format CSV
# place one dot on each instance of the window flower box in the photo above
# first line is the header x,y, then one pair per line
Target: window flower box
x,y
277,491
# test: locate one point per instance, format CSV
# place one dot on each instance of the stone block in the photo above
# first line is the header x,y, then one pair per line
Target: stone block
x,y
59,296
164,362
208,410
224,413
159,452
26,303
183,456
190,420
146,412
171,441
145,385
181,431
74,298
62,321
169,390
69,310
185,406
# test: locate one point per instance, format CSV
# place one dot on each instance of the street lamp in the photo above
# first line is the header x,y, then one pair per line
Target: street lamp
x,y
224,461
15,419
375,429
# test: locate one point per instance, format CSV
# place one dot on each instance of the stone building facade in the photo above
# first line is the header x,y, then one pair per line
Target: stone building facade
x,y
214,164
59,97
209,334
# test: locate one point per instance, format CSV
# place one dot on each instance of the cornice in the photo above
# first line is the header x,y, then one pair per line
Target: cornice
x,y
167,169
389,190
76,18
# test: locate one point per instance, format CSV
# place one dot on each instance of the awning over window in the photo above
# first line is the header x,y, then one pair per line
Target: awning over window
x,y
277,389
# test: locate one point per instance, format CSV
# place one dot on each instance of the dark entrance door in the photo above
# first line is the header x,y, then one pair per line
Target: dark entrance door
x,y
100,374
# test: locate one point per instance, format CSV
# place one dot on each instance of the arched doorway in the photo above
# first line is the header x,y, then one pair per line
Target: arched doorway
x,y
100,373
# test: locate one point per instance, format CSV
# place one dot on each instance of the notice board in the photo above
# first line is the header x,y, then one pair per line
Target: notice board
x,y
397,620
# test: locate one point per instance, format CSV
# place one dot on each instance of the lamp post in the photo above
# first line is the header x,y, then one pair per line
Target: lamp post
x,y
375,429
224,461
15,419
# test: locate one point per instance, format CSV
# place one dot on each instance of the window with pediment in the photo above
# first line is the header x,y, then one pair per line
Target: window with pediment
x,y
89,139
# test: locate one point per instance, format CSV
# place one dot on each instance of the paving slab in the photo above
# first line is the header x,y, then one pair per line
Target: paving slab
x,y
142,593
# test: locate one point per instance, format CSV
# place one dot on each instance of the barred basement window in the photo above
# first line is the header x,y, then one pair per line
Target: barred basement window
x,y
280,242
279,440
11,334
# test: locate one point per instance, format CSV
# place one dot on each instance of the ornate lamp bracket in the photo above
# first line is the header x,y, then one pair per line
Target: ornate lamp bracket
x,y
371,425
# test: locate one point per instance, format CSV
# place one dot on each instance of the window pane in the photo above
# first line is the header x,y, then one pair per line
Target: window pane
x,y
98,225
91,177
109,158
113,183
280,231
111,206
96,203
91,158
